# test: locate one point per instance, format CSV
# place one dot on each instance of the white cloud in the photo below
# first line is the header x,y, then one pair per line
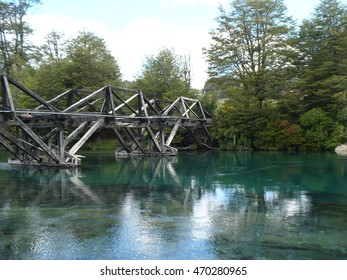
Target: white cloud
x,y
130,45
147,35
44,24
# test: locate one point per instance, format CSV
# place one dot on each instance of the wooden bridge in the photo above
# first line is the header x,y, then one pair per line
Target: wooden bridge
x,y
52,132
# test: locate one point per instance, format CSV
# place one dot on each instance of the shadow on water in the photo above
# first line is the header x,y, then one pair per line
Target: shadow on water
x,y
193,206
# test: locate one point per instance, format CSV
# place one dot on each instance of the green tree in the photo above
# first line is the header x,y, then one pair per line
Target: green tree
x,y
165,75
321,131
323,44
15,50
251,48
54,48
91,64
83,62
251,60
281,135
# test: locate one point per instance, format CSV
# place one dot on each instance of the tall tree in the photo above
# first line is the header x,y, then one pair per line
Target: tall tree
x,y
251,48
91,63
165,75
251,59
15,49
53,49
323,45
83,62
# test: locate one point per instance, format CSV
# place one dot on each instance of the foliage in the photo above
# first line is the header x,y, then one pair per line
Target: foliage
x,y
271,85
91,64
321,131
280,135
323,44
16,51
273,82
238,123
83,62
251,48
165,76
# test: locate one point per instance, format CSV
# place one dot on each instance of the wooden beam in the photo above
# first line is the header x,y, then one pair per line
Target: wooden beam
x,y
120,138
183,105
38,140
55,99
149,102
189,109
125,103
208,135
154,140
202,110
61,145
18,143
84,100
91,105
9,148
132,136
53,132
86,136
33,95
76,132
168,109
173,132
7,95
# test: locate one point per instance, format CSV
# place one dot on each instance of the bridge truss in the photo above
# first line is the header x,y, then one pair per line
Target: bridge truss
x,y
52,132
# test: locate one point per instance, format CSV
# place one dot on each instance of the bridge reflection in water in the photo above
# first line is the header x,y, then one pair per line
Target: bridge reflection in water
x,y
211,206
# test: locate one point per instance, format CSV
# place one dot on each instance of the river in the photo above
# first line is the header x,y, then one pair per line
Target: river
x,y
210,206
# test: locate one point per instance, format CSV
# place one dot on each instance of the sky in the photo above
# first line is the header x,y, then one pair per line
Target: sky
x,y
134,29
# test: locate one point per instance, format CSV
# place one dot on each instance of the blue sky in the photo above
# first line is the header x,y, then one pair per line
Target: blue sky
x,y
133,29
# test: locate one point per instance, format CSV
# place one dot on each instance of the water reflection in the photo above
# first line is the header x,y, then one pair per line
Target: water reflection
x,y
194,206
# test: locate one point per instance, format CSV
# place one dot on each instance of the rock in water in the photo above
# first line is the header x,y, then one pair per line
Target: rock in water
x,y
341,150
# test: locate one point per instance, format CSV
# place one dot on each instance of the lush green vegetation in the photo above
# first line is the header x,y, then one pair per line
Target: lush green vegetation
x,y
274,84
283,86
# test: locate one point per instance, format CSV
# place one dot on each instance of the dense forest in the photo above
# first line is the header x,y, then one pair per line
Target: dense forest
x,y
273,84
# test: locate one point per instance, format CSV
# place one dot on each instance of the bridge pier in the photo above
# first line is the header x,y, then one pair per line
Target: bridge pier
x,y
52,132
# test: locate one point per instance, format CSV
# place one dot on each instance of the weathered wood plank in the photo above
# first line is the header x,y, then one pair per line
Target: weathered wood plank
x,y
125,103
61,145
75,133
154,140
202,110
103,108
18,143
55,99
168,109
38,140
120,139
187,111
150,104
7,95
9,148
33,95
84,100
132,136
173,133
86,136
143,105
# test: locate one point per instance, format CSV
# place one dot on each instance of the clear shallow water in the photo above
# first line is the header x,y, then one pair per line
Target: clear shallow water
x,y
193,206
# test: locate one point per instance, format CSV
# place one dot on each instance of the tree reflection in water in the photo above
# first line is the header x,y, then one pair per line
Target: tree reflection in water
x,y
194,206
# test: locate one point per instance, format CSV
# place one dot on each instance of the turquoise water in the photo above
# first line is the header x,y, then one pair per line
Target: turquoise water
x,y
193,206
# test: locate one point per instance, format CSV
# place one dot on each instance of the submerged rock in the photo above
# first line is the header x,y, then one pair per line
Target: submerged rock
x,y
341,150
